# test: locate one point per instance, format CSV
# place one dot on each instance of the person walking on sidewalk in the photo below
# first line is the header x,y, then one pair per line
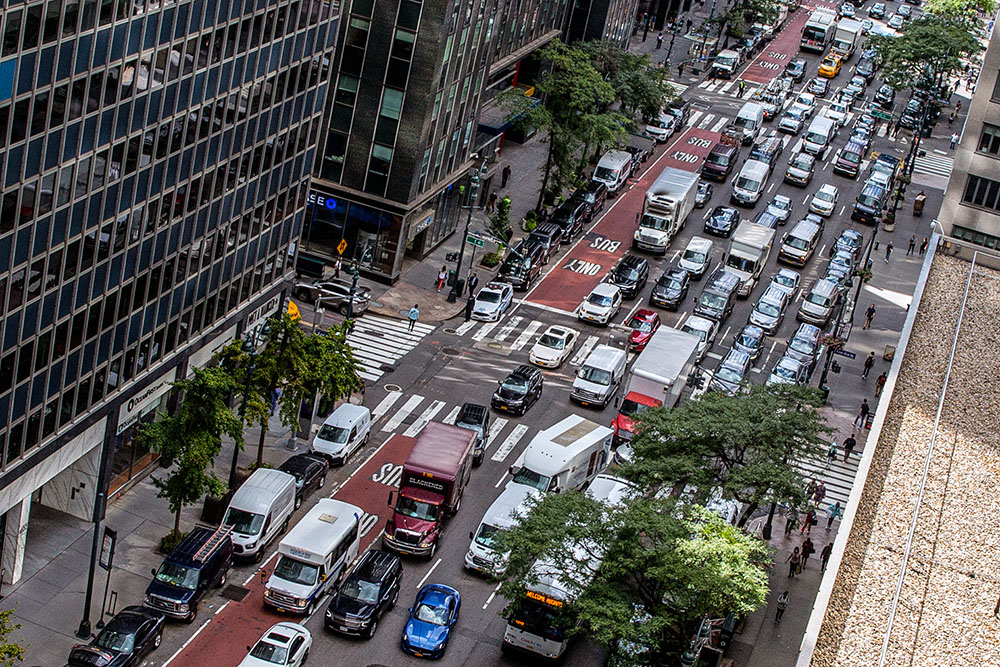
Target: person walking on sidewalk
x,y
820,493
680,70
824,556
912,248
807,525
833,512
473,281
880,384
862,413
491,203
504,177
808,549
659,41
849,444
869,362
888,251
954,140
794,560
336,268
442,277
923,246
869,316
782,604
413,316
831,454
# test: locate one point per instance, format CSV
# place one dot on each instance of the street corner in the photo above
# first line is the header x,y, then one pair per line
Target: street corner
x,y
433,305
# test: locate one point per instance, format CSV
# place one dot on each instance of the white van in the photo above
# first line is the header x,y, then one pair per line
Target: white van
x,y
505,512
750,121
314,556
259,510
697,256
749,184
819,136
613,170
564,456
600,375
343,433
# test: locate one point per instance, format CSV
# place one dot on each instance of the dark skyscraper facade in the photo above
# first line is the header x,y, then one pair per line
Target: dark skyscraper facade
x,y
154,163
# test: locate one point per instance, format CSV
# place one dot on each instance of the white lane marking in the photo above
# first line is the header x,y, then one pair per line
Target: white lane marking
x,y
681,320
771,188
584,350
526,335
433,567
484,331
542,306
387,402
725,336
464,327
190,639
492,595
719,125
427,415
402,413
453,415
842,209
676,255
823,247
369,376
694,117
495,429
773,345
714,355
508,328
501,453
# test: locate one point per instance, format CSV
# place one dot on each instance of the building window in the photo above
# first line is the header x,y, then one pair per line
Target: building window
x,y
974,236
989,140
996,90
378,169
333,158
982,192
402,45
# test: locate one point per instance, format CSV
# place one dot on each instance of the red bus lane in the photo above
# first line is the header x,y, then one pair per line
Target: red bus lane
x,y
586,264
223,641
776,54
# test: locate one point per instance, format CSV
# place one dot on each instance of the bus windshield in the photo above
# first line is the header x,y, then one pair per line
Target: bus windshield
x,y
538,619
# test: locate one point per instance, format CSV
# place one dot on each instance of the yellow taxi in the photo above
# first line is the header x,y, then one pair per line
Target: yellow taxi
x,y
830,67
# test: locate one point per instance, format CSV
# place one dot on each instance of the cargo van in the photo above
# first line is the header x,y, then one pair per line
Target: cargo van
x,y
799,244
343,433
818,305
750,121
767,151
749,183
613,170
260,509
820,134
505,512
599,377
314,556
565,456
200,562
718,296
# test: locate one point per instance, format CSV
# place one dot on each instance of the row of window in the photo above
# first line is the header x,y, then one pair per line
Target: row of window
x,y
976,236
983,192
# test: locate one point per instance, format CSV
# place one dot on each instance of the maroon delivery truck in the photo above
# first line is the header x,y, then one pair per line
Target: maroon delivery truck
x,y
430,489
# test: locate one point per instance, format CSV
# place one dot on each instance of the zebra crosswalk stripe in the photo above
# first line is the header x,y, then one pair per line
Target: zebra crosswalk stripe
x,y
720,124
387,402
501,453
376,341
402,413
526,335
484,331
933,165
693,119
465,327
508,328
427,415
452,416
495,429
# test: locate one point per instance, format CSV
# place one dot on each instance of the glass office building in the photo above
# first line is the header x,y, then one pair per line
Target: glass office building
x,y
154,167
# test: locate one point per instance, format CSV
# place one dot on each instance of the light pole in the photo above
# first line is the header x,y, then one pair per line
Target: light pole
x,y
250,349
473,196
836,332
704,41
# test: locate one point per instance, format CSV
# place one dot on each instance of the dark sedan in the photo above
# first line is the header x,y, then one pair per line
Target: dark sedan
x,y
334,293
796,69
518,391
630,275
125,641
309,472
723,221
671,289
750,340
703,195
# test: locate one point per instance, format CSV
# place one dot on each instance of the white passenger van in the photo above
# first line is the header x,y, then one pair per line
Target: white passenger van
x,y
314,556
749,183
599,377
750,121
564,456
343,433
259,511
505,512
819,136
613,170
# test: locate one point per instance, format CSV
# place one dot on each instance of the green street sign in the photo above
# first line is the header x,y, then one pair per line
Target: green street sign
x,y
475,240
884,115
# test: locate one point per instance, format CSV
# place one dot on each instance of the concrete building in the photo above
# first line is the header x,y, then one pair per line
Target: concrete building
x,y
610,20
154,161
971,206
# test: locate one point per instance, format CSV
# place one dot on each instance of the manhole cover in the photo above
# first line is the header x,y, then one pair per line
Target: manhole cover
x,y
392,387
450,331
450,351
387,368
235,593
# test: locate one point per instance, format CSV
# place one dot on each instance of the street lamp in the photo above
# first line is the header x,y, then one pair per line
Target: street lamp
x,y
836,332
249,348
473,196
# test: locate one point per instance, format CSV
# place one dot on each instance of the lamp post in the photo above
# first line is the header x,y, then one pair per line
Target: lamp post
x,y
249,348
473,196
836,331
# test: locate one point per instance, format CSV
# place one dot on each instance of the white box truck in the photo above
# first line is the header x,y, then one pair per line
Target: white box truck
x,y
668,203
846,37
564,456
749,248
656,378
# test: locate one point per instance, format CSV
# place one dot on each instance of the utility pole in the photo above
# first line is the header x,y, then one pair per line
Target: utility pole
x,y
836,332
473,197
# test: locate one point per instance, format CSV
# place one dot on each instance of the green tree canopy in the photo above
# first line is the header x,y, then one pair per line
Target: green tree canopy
x,y
965,11
640,87
735,21
11,652
928,50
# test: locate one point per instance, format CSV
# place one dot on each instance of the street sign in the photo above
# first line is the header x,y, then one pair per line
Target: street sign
x,y
845,353
884,115
342,246
293,311
475,240
108,548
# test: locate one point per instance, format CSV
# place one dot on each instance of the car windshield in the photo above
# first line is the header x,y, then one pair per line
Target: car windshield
x,y
643,326
599,300
550,341
824,195
795,113
296,571
748,340
489,297
595,375
360,590
818,299
801,345
850,156
330,433
418,509
712,301
486,535
718,159
797,243
652,222
626,273
695,256
784,372
178,575
729,375
781,204
532,479
768,308
243,522
112,640
515,384
630,408
815,138
269,652
701,334
669,282
747,183
606,174
786,281
429,614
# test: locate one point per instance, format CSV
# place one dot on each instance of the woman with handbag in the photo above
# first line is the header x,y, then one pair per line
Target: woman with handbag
x,y
794,560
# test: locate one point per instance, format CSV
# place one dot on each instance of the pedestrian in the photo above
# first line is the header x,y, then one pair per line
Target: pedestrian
x,y
869,316
923,246
958,104
469,305
849,444
782,603
659,40
743,86
820,493
951,118
504,177
807,525
413,316
689,23
473,281
808,549
880,384
791,522
888,251
442,277
831,454
794,560
336,268
862,413
833,512
824,557
810,488
869,362
491,203
954,140
680,69
912,247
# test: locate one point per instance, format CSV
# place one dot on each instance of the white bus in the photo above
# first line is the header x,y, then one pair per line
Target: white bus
x,y
818,30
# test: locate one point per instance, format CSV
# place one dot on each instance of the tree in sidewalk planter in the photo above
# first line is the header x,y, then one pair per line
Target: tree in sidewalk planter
x,y
736,21
11,652
928,51
966,11
498,224
189,440
663,566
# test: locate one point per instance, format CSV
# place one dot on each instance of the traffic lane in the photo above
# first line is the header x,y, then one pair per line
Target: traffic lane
x,y
771,61
573,277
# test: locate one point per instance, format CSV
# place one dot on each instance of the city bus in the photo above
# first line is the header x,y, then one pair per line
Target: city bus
x,y
818,30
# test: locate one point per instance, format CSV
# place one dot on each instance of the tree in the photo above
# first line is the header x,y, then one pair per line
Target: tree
x,y
737,20
189,440
10,651
639,86
740,445
928,50
498,224
965,11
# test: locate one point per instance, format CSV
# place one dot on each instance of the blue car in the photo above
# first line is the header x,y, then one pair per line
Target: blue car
x,y
432,616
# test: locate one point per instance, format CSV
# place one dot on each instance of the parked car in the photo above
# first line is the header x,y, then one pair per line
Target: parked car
x,y
661,127
781,208
731,373
603,303
644,324
593,194
492,301
849,241
703,195
885,96
309,472
905,11
520,390
367,594
847,10
334,293
285,644
787,281
553,347
705,330
749,340
680,109
125,641
723,220
630,275
434,613
877,11
896,22
570,217
824,202
671,289
788,370
800,169
866,68
866,26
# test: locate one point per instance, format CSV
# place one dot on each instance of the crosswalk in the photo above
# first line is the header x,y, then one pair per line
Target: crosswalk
x,y
933,164
838,478
519,333
379,342
728,87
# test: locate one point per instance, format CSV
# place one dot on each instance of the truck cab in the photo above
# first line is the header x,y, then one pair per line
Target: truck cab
x,y
668,202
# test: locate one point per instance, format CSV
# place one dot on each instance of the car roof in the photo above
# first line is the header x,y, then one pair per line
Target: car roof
x,y
299,463
471,413
494,286
828,187
699,322
781,198
283,633
374,565
753,330
783,271
645,313
524,371
806,330
674,272
131,619
699,242
633,261
736,358
774,294
558,330
605,289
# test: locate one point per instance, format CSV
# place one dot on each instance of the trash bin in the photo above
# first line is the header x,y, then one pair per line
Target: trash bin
x,y
451,277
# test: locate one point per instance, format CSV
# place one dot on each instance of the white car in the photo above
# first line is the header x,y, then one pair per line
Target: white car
x,y
601,304
553,347
807,100
787,281
705,329
824,202
492,301
781,208
661,128
788,371
285,644
838,113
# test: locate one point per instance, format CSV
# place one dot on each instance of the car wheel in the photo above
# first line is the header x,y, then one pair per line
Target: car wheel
x,y
395,596
322,482
343,309
222,579
434,548
298,501
259,556
191,615
305,656
311,607
157,639
458,505
372,628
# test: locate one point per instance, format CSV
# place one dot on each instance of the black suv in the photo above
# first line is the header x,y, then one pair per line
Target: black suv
x,y
200,561
523,265
885,96
630,275
309,472
368,592
570,218
518,391
476,418
593,194
549,236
